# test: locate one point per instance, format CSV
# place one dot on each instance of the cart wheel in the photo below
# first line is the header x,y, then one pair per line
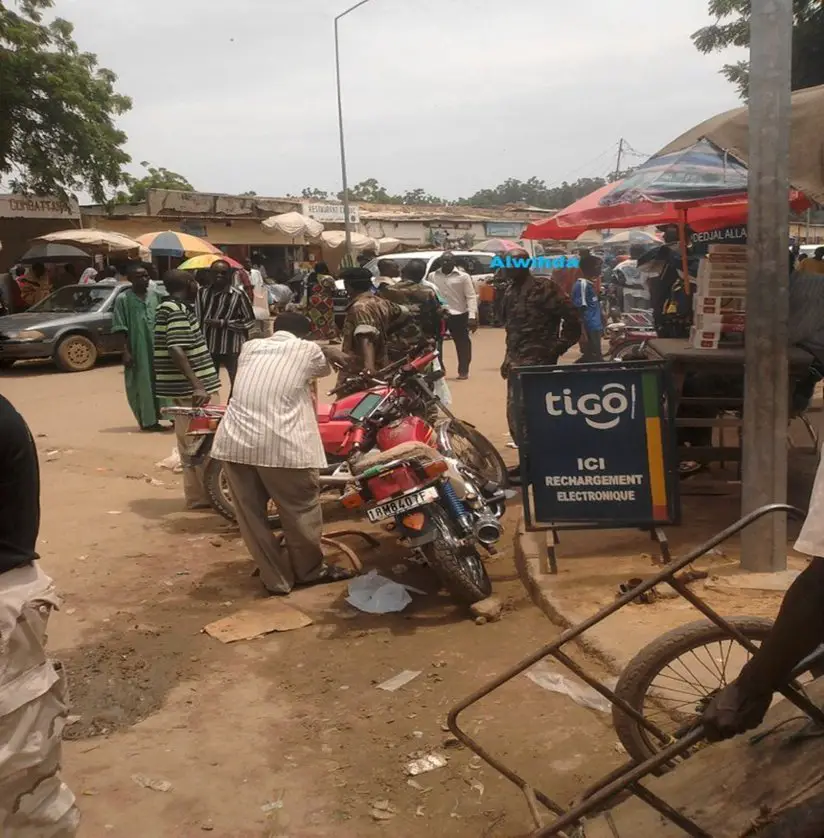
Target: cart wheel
x,y
671,681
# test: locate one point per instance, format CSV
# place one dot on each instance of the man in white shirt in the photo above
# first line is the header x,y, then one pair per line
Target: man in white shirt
x,y
458,290
270,446
260,302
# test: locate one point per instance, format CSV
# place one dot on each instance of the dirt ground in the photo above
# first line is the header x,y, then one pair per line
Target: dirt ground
x,y
285,735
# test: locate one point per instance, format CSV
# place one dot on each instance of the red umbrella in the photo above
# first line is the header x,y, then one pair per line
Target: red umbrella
x,y
588,213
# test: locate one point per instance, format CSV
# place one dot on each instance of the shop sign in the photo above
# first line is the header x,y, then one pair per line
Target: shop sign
x,y
35,206
504,229
598,445
331,213
724,235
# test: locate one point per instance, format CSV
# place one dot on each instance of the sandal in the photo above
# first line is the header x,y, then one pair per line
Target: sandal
x,y
329,573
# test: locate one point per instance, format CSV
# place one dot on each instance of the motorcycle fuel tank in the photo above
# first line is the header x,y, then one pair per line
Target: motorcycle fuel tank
x,y
408,429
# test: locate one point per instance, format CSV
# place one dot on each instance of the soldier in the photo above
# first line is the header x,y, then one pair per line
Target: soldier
x,y
541,324
34,801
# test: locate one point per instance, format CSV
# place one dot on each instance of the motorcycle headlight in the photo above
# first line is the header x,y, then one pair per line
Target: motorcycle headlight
x,y
29,334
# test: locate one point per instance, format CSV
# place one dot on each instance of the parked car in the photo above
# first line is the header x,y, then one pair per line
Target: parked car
x,y
72,326
478,261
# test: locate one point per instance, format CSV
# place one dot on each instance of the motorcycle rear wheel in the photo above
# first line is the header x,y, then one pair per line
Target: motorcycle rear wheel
x,y
459,568
220,495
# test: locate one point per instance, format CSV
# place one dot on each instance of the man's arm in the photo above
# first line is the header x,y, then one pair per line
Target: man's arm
x,y
179,338
243,315
559,306
471,298
120,326
798,630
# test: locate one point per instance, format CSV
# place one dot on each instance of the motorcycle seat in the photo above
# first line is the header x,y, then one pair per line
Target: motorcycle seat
x,y
405,451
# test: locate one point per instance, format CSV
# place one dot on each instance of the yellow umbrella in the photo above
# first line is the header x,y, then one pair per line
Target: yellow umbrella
x,y
206,260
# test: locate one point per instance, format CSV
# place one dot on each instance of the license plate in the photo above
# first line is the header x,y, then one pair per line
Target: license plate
x,y
403,504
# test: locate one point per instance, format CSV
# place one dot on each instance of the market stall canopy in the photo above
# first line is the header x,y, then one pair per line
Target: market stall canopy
x,y
175,244
589,213
206,260
730,131
336,239
95,241
590,237
634,237
49,252
702,170
387,244
293,224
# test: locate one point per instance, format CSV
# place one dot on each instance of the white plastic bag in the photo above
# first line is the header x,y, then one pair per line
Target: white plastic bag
x,y
172,462
375,594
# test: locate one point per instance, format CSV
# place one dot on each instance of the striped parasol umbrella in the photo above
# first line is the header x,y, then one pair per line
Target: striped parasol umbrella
x,y
175,244
206,260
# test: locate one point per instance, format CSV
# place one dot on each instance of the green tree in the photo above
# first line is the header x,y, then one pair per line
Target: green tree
x,y
371,192
421,197
313,194
156,178
57,108
732,29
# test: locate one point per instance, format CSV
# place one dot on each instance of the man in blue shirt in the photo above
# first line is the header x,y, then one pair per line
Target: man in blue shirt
x,y
585,299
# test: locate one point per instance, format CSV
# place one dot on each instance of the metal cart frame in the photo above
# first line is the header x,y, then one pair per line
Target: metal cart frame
x,y
627,777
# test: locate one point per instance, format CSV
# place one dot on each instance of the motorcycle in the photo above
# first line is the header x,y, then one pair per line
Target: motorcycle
x,y
628,338
359,395
441,507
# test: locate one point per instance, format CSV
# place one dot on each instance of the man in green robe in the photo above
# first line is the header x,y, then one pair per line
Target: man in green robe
x,y
134,316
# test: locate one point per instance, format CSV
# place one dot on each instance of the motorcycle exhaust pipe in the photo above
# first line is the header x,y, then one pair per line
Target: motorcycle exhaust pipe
x,y
488,529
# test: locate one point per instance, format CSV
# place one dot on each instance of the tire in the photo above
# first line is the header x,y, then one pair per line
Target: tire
x,y
636,680
220,496
629,352
471,446
6,364
459,569
75,353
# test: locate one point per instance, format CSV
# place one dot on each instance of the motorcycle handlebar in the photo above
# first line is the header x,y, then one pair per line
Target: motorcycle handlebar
x,y
382,375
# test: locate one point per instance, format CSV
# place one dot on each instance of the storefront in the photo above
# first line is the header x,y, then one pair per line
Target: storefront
x,y
24,217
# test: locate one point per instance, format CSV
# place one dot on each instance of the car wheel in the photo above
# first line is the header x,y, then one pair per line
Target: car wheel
x,y
6,364
75,353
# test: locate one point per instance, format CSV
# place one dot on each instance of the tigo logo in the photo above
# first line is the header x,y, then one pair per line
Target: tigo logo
x,y
601,411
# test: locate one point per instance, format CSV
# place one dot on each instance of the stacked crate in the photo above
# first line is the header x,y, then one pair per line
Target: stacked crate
x,y
720,304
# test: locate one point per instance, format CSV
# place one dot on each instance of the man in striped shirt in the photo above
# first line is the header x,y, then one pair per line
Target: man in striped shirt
x,y
184,372
226,316
270,446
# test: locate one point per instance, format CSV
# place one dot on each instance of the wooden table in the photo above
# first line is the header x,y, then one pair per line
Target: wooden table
x,y
686,359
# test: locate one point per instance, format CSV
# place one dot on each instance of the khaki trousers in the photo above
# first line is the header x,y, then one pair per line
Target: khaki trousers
x,y
296,491
34,802
193,491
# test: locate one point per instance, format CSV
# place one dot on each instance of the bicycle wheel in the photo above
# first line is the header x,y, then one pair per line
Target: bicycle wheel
x,y
671,681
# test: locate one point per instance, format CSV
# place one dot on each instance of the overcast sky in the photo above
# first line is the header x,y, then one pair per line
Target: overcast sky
x,y
448,95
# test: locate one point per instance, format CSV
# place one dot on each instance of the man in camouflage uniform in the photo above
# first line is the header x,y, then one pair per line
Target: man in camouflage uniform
x,y
370,321
541,324
34,802
421,301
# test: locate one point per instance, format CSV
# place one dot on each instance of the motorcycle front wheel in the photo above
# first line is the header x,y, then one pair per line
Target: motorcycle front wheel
x,y
217,489
471,447
459,567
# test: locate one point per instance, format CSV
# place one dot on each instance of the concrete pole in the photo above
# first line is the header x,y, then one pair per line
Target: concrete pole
x,y
764,544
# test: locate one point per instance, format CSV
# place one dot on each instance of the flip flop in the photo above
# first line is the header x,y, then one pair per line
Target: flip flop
x,y
329,573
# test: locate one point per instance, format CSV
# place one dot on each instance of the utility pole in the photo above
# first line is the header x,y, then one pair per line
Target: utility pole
x,y
618,161
347,226
766,387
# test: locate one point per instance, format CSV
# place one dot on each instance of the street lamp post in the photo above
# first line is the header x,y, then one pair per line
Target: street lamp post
x,y
346,221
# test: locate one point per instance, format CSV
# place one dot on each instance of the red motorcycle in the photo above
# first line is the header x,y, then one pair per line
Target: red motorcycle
x,y
628,338
443,509
407,384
